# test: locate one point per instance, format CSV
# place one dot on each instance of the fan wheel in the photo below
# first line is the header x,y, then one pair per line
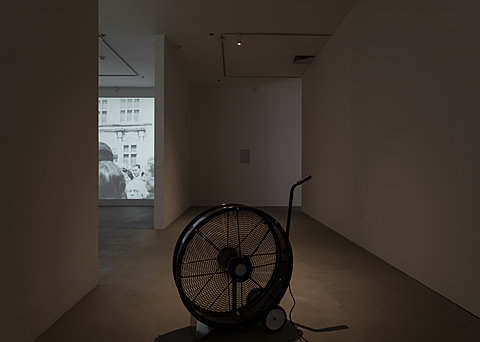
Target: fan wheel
x,y
232,265
275,319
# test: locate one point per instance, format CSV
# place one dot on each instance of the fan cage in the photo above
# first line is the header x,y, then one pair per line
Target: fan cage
x,y
209,288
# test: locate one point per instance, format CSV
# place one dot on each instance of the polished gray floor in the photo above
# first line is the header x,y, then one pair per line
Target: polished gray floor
x,y
110,217
334,282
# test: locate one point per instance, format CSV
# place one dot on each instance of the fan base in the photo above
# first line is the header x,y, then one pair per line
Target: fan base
x,y
200,330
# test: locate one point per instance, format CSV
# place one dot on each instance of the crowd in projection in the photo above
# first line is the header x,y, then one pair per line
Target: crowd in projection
x,y
115,182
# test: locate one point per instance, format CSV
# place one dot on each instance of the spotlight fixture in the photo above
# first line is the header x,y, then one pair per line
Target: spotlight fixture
x,y
239,40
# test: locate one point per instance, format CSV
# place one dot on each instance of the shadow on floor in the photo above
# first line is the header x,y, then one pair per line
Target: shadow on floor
x,y
251,334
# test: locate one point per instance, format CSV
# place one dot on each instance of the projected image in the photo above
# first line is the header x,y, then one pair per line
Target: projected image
x,y
125,148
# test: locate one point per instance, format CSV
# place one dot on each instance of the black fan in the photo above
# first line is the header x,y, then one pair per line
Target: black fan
x,y
232,265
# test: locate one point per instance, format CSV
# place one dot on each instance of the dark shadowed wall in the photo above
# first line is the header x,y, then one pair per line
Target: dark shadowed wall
x,y
390,133
48,252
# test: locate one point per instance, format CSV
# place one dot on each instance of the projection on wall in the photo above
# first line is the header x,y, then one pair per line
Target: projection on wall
x,y
125,148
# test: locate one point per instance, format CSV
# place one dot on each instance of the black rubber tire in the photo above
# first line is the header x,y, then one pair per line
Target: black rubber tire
x,y
275,319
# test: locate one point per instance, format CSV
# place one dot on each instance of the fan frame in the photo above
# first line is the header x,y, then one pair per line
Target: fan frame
x,y
189,232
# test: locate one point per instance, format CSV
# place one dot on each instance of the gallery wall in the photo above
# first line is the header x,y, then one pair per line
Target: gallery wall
x,y
177,130
49,257
265,121
126,92
173,135
390,134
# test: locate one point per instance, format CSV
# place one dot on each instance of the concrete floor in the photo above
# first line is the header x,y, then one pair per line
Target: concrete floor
x,y
334,282
140,217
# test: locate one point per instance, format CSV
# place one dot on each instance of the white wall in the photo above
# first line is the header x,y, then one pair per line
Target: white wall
x,y
126,92
173,136
48,251
177,120
266,121
159,47
390,133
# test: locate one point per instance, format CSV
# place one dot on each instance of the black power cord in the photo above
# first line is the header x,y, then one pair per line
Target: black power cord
x,y
296,325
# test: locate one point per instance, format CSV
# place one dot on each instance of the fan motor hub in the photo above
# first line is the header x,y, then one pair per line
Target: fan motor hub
x,y
225,255
240,268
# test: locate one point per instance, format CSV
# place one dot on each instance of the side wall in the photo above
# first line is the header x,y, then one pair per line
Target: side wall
x,y
48,253
390,133
267,121
159,48
177,137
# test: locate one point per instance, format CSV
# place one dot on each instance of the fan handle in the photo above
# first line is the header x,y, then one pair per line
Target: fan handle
x,y
292,189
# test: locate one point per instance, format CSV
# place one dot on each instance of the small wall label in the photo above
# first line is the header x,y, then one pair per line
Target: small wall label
x,y
244,156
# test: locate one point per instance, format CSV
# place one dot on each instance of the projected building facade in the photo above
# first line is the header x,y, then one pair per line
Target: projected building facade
x,y
126,125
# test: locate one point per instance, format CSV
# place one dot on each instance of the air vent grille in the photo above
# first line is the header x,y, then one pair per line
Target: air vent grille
x,y
302,59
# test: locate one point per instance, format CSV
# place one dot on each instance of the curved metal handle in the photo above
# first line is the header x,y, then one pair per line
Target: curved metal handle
x,y
303,180
292,189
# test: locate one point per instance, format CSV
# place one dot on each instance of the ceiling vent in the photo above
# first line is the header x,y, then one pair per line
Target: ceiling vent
x,y
301,59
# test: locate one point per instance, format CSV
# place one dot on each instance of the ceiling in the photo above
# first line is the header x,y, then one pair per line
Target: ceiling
x,y
205,36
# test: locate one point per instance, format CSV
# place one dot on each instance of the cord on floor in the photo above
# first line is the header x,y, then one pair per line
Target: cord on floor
x,y
295,325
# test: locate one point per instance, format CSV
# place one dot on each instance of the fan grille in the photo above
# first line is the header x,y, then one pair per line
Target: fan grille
x,y
230,264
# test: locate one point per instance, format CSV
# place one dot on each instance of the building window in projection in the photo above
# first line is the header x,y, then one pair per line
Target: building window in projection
x,y
104,116
126,148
